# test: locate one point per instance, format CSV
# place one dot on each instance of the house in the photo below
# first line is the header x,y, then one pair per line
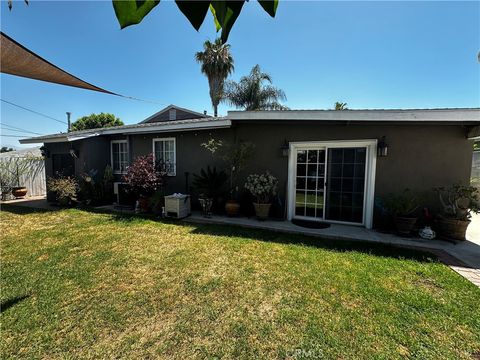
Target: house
x,y
332,170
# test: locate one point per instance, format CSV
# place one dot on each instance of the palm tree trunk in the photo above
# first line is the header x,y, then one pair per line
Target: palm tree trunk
x,y
215,110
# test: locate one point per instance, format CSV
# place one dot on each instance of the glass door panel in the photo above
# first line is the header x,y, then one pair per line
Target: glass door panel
x,y
345,184
310,183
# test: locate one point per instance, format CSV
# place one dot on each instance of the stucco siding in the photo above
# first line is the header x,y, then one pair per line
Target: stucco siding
x,y
420,156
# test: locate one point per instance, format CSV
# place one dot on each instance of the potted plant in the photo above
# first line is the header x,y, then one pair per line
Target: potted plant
x,y
458,204
65,190
143,178
210,183
402,208
235,156
262,187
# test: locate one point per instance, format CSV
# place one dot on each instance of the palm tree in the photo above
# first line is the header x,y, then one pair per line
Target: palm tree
x,y
340,106
250,93
217,64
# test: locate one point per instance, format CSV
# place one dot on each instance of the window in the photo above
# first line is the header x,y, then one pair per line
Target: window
x,y
119,156
172,114
164,154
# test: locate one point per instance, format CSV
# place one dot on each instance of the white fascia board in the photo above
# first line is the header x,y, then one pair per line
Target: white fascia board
x,y
204,125
440,115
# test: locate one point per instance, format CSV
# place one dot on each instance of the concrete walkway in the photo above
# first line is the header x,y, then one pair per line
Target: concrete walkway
x,y
463,257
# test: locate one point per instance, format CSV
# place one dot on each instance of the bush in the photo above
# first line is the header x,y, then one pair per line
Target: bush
x,y
95,190
401,205
144,176
65,190
262,186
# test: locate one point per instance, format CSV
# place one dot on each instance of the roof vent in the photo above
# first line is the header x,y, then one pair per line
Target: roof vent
x,y
172,114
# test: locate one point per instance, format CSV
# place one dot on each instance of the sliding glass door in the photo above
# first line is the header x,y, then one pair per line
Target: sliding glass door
x,y
329,183
345,187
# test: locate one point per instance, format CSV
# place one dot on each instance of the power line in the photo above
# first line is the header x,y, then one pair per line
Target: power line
x,y
16,136
14,128
20,131
35,112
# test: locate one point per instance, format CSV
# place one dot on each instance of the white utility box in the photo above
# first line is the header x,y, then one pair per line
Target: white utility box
x,y
177,206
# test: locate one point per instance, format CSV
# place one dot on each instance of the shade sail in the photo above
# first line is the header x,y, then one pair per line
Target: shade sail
x,y
18,60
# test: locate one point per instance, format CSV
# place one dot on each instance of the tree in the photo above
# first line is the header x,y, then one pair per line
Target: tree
x,y
340,106
251,92
96,121
225,12
476,145
217,64
5,149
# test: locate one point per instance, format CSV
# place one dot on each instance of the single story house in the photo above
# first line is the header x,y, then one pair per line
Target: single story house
x,y
331,168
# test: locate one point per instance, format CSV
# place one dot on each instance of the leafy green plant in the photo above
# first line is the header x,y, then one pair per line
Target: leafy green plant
x,y
401,205
95,121
65,190
234,155
210,183
262,187
459,201
225,12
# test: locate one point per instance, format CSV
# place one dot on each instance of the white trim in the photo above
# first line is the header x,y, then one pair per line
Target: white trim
x,y
174,152
122,141
179,125
439,115
370,170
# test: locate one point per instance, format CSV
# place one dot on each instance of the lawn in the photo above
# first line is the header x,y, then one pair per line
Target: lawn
x,y
77,284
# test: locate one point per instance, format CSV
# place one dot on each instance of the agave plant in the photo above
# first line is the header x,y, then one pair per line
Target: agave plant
x,y
210,182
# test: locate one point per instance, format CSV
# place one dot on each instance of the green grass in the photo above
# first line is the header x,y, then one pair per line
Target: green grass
x,y
76,284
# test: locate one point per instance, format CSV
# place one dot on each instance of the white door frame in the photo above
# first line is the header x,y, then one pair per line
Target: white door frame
x,y
371,163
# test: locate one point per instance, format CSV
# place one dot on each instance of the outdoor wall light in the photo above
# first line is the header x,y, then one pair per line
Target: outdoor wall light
x,y
285,147
382,147
74,153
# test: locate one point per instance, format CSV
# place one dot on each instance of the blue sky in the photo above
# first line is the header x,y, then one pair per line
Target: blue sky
x,y
368,54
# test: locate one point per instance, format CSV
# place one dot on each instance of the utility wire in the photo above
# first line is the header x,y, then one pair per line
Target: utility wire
x,y
14,128
16,136
28,133
35,112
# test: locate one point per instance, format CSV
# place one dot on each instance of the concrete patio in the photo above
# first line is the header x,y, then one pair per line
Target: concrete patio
x,y
463,257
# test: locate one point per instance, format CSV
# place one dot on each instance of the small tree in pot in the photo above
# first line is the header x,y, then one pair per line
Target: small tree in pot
x,y
262,187
458,203
235,157
402,208
143,177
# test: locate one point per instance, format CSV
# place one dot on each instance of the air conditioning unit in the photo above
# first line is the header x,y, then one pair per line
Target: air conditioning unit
x,y
177,206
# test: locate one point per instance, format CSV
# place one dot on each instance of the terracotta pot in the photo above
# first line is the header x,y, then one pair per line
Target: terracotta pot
x,y
452,228
143,203
262,210
232,208
404,225
19,191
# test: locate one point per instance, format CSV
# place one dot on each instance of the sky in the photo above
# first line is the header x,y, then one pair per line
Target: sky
x,y
368,54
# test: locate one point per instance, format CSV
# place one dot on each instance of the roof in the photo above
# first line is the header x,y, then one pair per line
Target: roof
x,y
170,107
446,116
381,115
166,126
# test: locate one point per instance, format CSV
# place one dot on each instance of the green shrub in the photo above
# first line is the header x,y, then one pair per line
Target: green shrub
x,y
65,190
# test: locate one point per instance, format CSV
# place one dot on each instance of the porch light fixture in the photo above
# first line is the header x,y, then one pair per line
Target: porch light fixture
x,y
74,153
382,147
285,147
